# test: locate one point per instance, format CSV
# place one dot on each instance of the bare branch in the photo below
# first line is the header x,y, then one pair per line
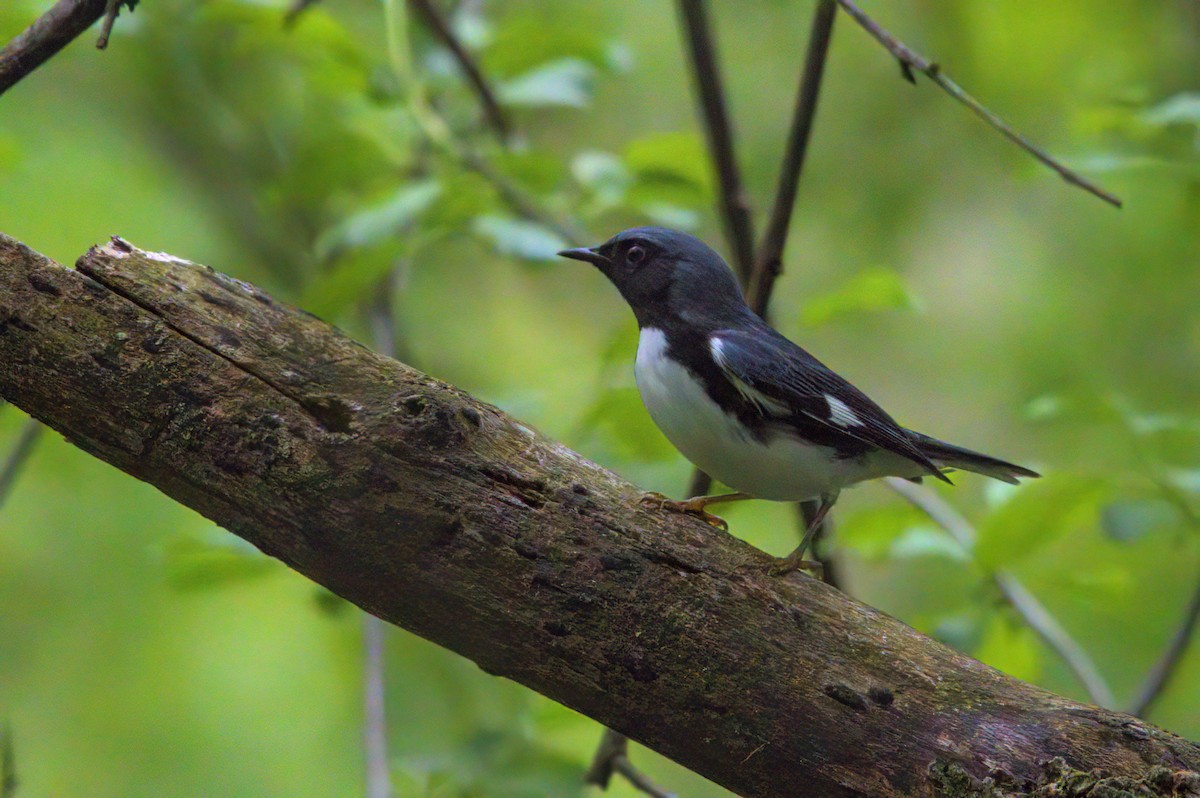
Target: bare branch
x,y
769,261
1165,667
612,755
1026,605
735,210
19,455
111,11
911,61
375,747
487,97
8,763
381,318
295,11
520,201
53,31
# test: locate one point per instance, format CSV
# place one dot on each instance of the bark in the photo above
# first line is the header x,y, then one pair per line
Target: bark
x,y
444,516
51,32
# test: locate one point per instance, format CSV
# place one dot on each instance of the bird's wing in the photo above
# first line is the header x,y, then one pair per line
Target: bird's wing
x,y
794,388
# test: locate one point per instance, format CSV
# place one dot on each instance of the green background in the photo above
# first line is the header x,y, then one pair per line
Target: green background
x,y
144,652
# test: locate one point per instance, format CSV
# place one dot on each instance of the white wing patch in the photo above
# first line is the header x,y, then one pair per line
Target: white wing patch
x,y
764,403
841,414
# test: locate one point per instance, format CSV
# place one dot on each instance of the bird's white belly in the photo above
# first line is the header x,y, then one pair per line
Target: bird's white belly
x,y
783,469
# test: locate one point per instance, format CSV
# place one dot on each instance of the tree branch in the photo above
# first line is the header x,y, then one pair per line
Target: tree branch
x,y
735,210
1160,675
911,61
17,458
769,262
445,516
487,98
51,32
612,756
1026,605
111,11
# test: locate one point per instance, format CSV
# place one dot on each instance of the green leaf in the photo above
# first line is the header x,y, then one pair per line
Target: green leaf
x,y
1047,407
1126,521
519,238
927,541
213,559
603,174
618,415
867,292
566,82
670,167
1010,647
1035,514
872,533
1182,109
377,222
668,215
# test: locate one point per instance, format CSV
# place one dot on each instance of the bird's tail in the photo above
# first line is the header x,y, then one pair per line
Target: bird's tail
x,y
950,456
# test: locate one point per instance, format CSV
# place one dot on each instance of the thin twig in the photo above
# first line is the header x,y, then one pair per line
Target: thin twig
x,y
111,11
295,11
380,313
521,202
735,211
769,260
51,32
483,90
8,763
1164,668
375,748
613,756
911,61
18,456
1026,605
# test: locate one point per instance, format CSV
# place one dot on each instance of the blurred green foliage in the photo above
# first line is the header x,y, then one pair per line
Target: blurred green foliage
x,y
145,653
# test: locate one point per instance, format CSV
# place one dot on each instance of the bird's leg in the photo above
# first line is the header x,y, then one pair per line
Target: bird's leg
x,y
695,505
795,561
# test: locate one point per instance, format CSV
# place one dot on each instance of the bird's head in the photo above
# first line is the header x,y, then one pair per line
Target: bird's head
x,y
666,274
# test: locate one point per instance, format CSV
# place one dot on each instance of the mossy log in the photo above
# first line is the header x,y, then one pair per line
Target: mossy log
x,y
443,515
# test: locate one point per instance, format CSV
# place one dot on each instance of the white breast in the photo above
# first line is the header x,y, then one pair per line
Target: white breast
x,y
783,469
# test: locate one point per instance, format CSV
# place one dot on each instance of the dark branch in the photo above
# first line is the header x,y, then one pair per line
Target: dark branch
x,y
445,34
295,11
8,763
911,61
53,31
111,11
443,515
735,211
522,202
380,314
1160,674
612,756
769,261
17,458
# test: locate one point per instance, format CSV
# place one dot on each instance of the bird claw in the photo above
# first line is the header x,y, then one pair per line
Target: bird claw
x,y
692,507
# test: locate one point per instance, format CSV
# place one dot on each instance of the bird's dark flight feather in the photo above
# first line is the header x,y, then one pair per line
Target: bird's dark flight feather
x,y
796,385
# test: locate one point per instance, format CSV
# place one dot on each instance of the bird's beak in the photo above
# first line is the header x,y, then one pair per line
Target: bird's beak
x,y
587,254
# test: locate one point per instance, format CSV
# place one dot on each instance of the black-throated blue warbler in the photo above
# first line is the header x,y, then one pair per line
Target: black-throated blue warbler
x,y
746,405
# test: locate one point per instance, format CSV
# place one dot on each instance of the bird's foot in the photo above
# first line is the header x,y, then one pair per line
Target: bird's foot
x,y
694,506
786,565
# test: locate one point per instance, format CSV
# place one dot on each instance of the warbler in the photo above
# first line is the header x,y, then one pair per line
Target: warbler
x,y
745,404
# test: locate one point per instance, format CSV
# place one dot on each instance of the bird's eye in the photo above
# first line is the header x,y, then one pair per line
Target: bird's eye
x,y
635,255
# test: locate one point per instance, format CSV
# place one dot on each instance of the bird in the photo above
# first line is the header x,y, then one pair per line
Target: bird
x,y
745,404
